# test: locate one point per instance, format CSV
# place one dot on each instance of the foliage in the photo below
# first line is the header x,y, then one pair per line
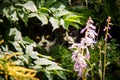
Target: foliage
x,y
14,20
30,58
8,67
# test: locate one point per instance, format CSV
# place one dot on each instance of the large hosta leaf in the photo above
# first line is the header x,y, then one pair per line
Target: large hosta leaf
x,y
17,34
54,67
42,17
61,74
17,46
30,52
55,22
14,16
48,74
30,6
23,16
43,61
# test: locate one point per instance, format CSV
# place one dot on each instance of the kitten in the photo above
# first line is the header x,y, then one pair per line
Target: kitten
x,y
44,36
72,32
46,41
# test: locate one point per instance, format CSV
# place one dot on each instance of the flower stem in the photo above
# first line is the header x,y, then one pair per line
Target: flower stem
x,y
91,68
100,63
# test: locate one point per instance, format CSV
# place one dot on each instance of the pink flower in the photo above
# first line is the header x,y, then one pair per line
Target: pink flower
x,y
87,53
74,55
80,64
79,55
89,25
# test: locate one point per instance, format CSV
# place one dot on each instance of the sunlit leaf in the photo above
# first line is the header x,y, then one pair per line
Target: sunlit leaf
x,y
48,74
23,16
54,67
30,52
61,13
41,17
43,61
6,12
61,74
48,3
17,34
17,46
14,16
55,23
30,6
44,56
27,39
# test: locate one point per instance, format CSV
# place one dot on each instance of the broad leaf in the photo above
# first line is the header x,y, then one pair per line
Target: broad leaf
x,y
42,17
48,75
54,67
27,39
17,34
17,46
30,6
43,61
23,16
30,52
55,22
61,74
14,16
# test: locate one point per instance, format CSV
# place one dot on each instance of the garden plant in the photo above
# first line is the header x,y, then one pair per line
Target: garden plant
x,y
93,56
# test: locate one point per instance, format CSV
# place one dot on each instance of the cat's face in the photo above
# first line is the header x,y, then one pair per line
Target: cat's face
x,y
72,32
46,41
44,36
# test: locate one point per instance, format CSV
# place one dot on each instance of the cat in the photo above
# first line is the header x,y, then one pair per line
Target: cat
x,y
46,41
44,36
71,31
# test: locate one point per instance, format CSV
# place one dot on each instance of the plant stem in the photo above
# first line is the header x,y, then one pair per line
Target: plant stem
x,y
91,68
104,60
100,62
105,47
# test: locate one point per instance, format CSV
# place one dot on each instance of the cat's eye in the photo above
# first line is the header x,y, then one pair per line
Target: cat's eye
x,y
37,37
47,36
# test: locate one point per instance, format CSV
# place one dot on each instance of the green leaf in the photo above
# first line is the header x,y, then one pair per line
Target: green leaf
x,y
30,52
42,17
55,22
44,56
14,16
66,24
75,25
17,34
61,74
30,6
48,3
27,39
23,16
17,46
48,75
6,12
43,61
44,9
54,67
61,13
74,19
